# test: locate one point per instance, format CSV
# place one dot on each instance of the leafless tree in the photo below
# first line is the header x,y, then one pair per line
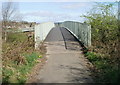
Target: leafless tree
x,y
9,13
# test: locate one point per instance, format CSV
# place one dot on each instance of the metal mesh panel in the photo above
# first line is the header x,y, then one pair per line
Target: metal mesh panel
x,y
81,30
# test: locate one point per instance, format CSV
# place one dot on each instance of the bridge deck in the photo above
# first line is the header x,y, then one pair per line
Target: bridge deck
x,y
64,65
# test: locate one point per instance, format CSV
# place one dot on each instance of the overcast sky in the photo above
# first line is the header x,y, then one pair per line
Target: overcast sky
x,y
55,10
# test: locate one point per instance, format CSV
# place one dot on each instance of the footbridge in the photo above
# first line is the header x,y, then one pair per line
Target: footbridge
x,y
80,31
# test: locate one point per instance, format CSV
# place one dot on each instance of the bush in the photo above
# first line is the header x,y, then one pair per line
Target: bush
x,y
105,35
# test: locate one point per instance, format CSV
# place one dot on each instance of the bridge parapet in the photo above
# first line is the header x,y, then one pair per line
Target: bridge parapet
x,y
81,30
41,31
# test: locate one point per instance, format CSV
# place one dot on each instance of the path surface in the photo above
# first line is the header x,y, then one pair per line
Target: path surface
x,y
64,65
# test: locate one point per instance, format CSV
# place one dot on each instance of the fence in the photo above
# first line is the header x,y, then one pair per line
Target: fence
x,y
41,31
81,30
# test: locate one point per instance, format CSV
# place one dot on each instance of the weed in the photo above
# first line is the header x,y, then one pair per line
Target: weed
x,y
92,56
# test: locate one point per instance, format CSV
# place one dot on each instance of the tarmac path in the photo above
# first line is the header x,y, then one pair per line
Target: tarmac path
x,y
64,65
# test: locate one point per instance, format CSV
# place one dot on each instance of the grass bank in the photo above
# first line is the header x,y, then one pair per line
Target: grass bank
x,y
18,57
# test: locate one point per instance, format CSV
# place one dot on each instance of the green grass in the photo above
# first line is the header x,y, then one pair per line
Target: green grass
x,y
16,37
107,72
18,73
